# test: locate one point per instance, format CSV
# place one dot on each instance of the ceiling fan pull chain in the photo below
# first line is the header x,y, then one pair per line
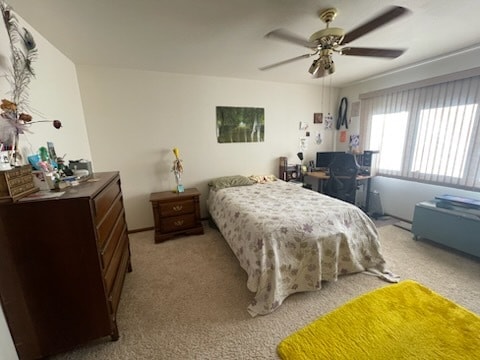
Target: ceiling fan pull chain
x,y
342,113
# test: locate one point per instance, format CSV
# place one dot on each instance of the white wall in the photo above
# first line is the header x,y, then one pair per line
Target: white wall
x,y
54,93
399,197
135,118
7,349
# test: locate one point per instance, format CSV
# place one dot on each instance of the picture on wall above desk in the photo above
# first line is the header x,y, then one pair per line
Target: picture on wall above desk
x,y
354,142
240,124
317,118
328,121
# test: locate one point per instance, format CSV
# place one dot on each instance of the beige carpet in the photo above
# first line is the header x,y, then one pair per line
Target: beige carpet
x,y
187,298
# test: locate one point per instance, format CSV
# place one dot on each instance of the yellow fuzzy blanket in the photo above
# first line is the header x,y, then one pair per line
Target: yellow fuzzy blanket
x,y
401,321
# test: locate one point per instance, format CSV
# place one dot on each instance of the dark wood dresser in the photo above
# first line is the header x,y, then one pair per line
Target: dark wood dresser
x,y
176,213
63,264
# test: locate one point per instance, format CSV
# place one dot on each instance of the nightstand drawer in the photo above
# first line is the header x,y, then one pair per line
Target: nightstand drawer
x,y
176,208
176,223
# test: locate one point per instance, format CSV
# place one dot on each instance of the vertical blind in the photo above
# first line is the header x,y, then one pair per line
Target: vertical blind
x,y
428,134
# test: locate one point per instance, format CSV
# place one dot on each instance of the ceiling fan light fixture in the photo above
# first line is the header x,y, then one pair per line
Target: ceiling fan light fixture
x,y
326,58
314,67
322,66
327,37
331,68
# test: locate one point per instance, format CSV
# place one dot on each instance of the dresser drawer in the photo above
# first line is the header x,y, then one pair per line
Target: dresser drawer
x,y
177,223
112,268
104,228
119,230
176,208
104,201
118,284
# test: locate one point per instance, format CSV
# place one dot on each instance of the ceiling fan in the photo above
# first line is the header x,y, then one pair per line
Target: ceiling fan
x,y
328,41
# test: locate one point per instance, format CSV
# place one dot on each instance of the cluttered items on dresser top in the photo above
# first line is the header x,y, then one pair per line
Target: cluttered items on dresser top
x,y
44,172
52,172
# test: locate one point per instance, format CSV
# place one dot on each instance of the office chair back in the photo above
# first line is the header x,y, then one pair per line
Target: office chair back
x,y
342,183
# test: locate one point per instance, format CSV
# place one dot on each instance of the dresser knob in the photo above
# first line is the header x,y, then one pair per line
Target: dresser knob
x,y
178,207
178,223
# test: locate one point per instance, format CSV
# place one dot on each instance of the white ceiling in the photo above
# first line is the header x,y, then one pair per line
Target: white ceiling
x,y
225,38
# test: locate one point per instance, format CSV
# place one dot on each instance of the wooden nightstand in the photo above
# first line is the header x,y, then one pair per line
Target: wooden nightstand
x,y
176,214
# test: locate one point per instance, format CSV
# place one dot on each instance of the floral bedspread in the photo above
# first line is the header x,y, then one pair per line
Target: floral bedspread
x,y
289,239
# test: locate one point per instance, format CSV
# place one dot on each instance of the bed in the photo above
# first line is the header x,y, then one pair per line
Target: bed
x,y
289,239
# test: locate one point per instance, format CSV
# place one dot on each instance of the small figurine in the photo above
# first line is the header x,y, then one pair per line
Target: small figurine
x,y
177,169
62,168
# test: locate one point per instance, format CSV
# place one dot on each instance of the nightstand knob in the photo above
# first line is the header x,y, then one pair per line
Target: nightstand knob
x,y
178,223
178,207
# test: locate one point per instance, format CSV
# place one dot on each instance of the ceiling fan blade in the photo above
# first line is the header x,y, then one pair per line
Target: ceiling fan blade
x,y
389,15
385,53
268,67
285,35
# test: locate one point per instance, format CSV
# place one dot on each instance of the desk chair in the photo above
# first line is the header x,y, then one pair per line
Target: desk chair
x,y
342,183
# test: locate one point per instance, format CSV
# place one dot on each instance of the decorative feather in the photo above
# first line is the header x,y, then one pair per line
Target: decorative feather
x,y
24,53
28,40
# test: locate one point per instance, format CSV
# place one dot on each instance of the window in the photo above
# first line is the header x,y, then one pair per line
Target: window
x,y
429,134
388,134
442,142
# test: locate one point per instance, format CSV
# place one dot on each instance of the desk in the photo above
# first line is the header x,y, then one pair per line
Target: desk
x,y
321,176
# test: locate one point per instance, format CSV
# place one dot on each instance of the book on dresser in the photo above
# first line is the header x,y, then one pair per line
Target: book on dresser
x,y
64,261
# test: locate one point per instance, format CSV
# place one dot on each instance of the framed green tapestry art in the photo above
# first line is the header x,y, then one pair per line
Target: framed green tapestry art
x,y
240,124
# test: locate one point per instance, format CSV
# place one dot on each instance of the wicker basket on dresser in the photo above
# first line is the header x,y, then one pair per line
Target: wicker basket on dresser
x,y
16,183
63,266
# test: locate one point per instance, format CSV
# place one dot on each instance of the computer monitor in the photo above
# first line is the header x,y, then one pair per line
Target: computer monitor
x,y
324,158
